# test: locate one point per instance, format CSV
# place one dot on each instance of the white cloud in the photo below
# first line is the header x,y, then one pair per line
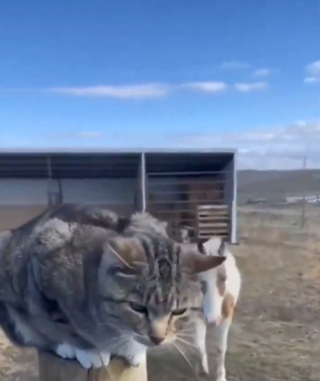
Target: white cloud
x,y
234,65
267,148
142,91
314,68
262,73
207,87
313,73
248,87
145,91
281,148
88,135
312,79
121,92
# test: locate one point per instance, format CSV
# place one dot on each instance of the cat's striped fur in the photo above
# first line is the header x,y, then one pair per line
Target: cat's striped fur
x,y
87,284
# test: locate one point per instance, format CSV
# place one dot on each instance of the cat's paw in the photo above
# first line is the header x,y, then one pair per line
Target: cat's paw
x,y
66,351
92,358
138,358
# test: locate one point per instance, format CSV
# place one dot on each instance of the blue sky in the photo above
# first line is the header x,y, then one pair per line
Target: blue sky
x,y
241,73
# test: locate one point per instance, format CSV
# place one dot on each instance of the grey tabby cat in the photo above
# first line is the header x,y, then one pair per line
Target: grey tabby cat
x,y
84,283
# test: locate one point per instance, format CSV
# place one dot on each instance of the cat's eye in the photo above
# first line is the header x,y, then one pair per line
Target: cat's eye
x,y
179,312
138,308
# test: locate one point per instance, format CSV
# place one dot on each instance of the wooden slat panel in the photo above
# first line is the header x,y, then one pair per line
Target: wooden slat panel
x,y
213,220
213,210
216,217
216,233
212,225
213,232
208,236
212,207
214,214
187,202
185,214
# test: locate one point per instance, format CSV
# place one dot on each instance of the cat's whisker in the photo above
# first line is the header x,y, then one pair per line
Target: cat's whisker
x,y
185,335
101,325
119,340
109,374
115,339
120,258
120,344
106,371
187,343
186,358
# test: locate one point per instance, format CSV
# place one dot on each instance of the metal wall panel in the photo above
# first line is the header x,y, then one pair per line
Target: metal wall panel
x,y
13,216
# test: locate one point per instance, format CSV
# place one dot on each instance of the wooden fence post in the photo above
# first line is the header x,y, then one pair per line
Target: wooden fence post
x,y
52,368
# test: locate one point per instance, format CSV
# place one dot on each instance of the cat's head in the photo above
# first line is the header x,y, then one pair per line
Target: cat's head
x,y
149,286
5,238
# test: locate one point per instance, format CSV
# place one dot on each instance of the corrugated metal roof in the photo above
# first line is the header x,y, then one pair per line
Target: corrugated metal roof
x,y
187,162
105,164
69,165
159,150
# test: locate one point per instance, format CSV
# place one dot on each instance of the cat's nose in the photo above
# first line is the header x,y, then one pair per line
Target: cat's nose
x,y
156,339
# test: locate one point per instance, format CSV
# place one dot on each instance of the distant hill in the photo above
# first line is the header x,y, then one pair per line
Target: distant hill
x,y
276,185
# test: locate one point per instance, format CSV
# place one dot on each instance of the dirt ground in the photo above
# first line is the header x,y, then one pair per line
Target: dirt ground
x,y
276,332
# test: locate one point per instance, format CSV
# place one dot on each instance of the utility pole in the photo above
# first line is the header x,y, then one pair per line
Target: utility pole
x,y
303,209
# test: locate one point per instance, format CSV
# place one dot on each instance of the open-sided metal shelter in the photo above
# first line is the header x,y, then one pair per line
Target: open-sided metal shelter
x,y
194,190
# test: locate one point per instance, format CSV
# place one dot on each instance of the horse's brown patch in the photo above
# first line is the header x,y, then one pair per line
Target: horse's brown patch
x,y
227,307
221,279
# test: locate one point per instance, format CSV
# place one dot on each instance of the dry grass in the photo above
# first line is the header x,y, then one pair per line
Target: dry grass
x,y
276,333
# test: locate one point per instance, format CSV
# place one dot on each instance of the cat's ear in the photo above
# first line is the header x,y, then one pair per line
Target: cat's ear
x,y
123,223
198,262
5,239
164,224
123,253
201,263
201,248
122,260
222,247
